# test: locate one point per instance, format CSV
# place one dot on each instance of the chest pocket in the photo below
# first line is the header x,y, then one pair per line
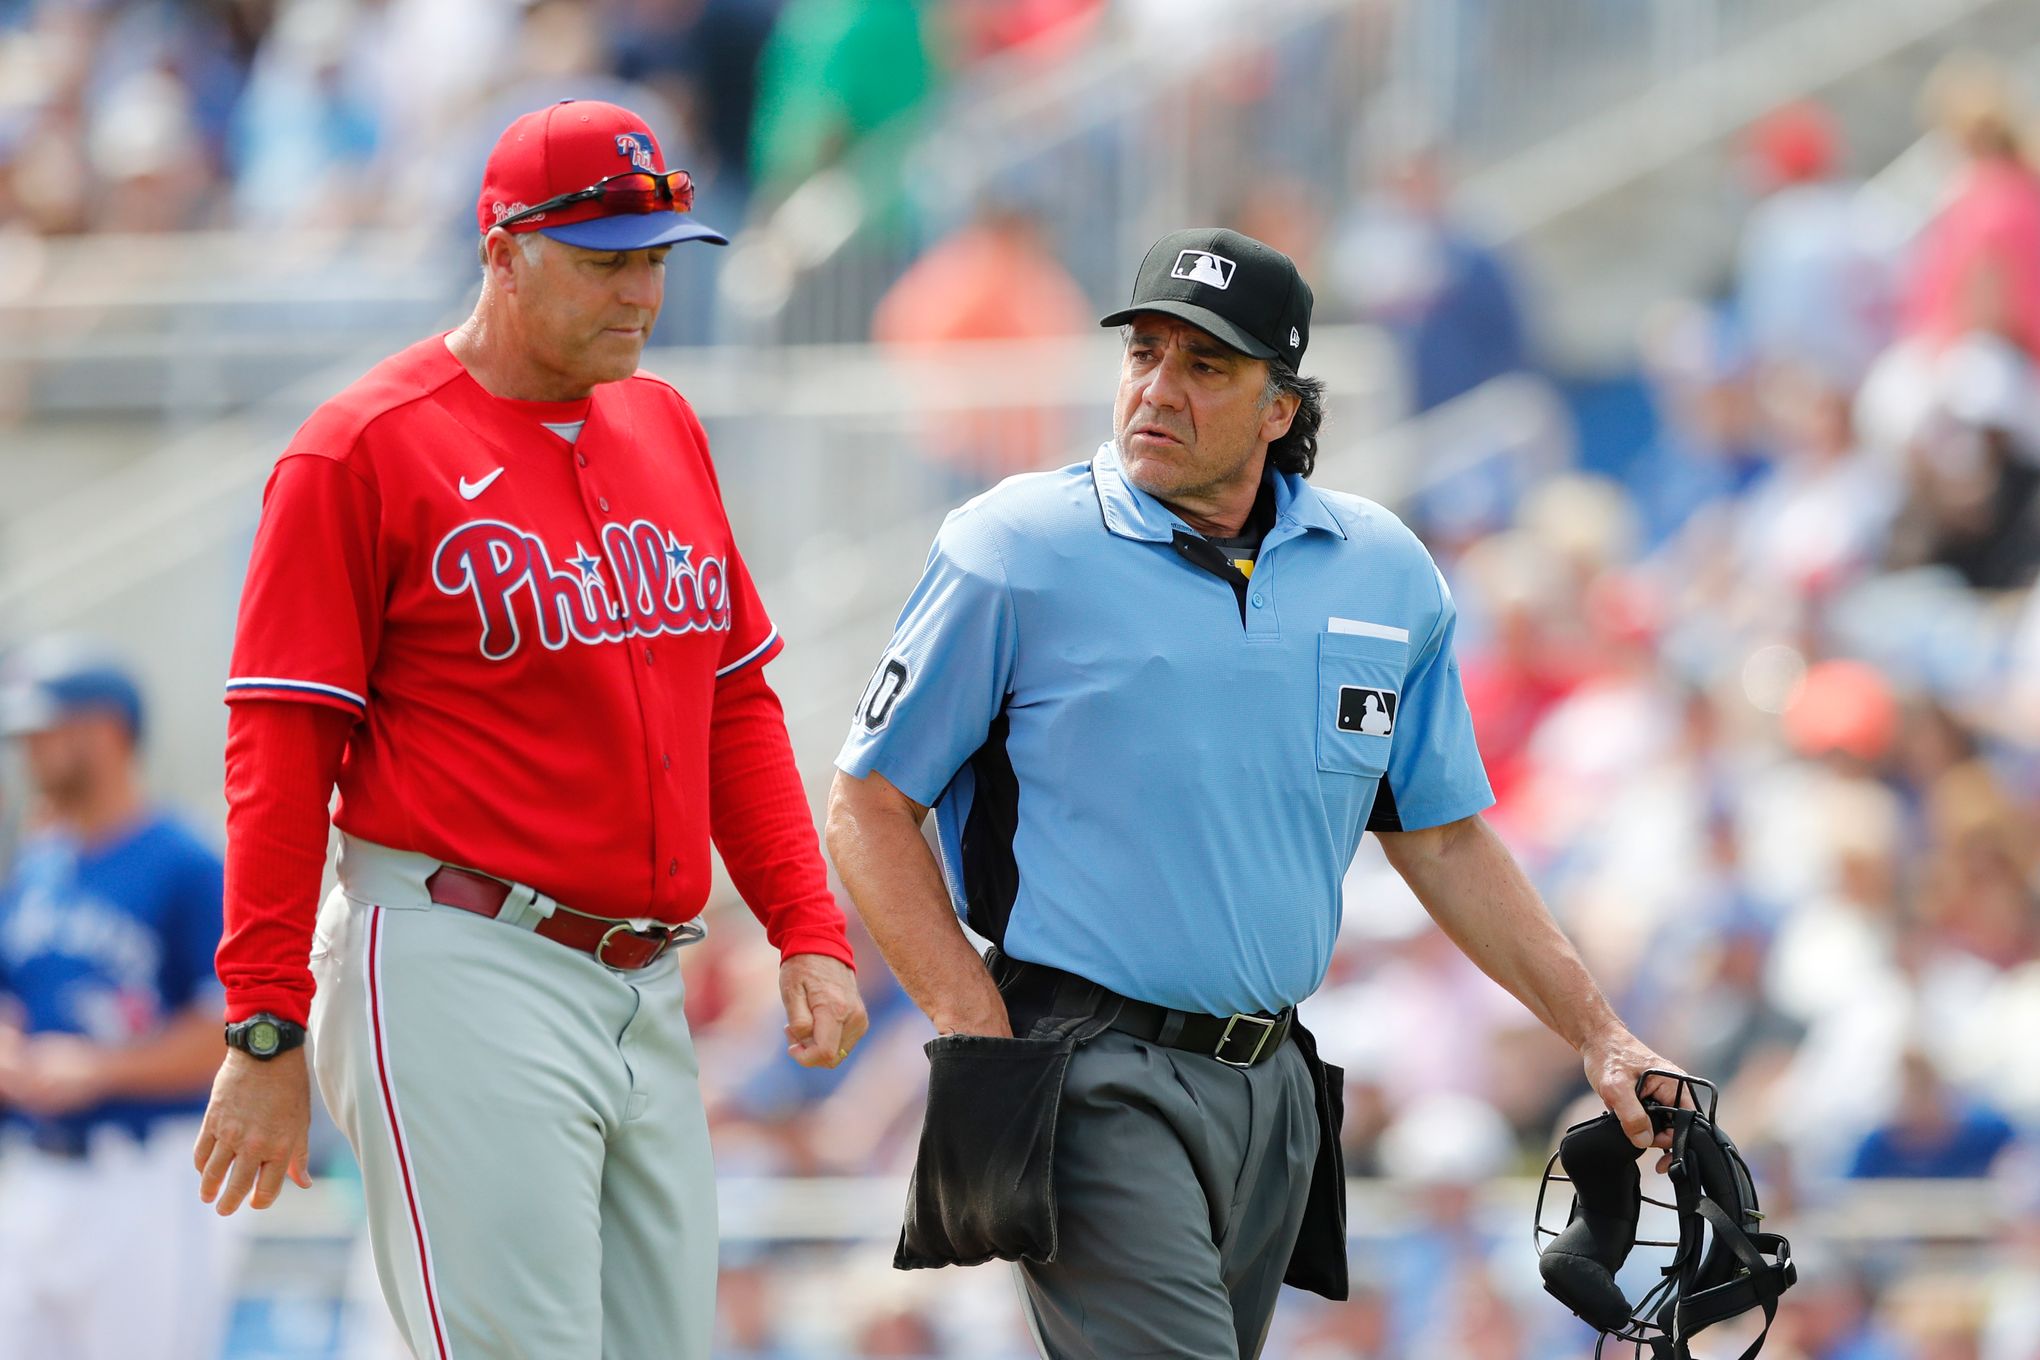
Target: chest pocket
x,y
1359,699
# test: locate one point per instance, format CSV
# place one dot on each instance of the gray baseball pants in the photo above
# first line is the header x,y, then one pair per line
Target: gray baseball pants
x,y
529,1125
1180,1186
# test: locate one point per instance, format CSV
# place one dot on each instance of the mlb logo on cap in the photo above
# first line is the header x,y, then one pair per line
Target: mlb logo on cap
x,y
1201,266
1245,292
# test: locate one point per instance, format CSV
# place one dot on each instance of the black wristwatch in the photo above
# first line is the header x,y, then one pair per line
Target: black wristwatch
x,y
263,1035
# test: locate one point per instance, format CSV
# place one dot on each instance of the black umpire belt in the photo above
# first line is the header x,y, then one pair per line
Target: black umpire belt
x,y
1238,1040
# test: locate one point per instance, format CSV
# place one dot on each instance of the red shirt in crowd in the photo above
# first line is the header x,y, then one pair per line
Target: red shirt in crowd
x,y
1977,266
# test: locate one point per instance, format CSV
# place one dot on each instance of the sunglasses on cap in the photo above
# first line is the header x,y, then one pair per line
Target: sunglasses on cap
x,y
634,191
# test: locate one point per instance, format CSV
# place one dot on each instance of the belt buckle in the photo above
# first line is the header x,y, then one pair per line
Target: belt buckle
x,y
664,937
1260,1041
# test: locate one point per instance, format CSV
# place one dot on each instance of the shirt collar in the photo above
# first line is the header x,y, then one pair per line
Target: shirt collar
x,y
1131,513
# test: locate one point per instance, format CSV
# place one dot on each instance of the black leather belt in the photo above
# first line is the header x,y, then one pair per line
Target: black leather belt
x,y
1238,1040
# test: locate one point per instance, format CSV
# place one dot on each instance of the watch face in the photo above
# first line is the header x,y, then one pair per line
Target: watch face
x,y
263,1037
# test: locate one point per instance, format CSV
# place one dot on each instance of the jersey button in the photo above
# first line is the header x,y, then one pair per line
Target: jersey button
x,y
667,760
648,656
672,868
581,458
602,503
1257,602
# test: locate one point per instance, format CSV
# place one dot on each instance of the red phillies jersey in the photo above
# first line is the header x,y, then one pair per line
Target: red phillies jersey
x,y
530,630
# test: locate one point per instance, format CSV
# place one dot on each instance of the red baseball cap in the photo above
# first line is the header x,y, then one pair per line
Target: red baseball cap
x,y
574,145
1796,143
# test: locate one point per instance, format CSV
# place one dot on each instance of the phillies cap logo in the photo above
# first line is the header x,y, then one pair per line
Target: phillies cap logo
x,y
1201,266
637,146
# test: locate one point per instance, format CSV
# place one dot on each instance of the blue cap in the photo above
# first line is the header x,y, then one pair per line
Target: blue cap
x,y
635,231
52,684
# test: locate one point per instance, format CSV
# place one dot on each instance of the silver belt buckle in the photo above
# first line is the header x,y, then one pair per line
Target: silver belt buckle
x,y
668,936
1260,1041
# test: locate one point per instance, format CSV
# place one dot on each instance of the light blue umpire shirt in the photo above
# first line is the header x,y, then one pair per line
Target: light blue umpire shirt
x,y
1151,774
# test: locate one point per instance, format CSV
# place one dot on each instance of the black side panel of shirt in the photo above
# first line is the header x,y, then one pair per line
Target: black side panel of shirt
x,y
1384,817
991,876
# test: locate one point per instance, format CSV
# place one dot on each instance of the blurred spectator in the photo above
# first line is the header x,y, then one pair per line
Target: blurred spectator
x,y
1045,29
1828,945
1730,1017
996,279
109,1039
701,59
1706,448
1820,519
2011,1329
832,73
1814,268
1936,1313
148,166
1977,892
1528,658
1357,1329
746,1311
1445,1146
1933,1132
1831,1315
1450,301
308,128
1975,472
1977,266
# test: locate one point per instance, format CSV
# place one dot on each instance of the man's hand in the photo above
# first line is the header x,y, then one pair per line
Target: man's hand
x,y
824,1013
56,1074
256,1130
1614,1059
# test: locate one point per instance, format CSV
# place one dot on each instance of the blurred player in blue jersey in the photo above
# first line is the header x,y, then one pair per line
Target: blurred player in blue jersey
x,y
110,1032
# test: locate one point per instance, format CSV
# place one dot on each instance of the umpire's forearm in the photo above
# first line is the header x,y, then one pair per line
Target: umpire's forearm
x,y
874,839
1479,896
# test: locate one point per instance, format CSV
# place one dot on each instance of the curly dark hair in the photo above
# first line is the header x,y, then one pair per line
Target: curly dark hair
x,y
1296,451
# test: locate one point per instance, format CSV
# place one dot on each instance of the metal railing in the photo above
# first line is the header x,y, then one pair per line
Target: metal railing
x,y
827,1242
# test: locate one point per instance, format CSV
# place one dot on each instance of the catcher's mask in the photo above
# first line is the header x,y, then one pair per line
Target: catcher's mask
x,y
1721,1265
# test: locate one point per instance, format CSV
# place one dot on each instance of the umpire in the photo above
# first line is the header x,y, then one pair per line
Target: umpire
x,y
1154,700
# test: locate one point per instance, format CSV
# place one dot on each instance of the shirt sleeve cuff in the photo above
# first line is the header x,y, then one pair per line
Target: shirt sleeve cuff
x,y
286,1003
833,944
772,645
302,691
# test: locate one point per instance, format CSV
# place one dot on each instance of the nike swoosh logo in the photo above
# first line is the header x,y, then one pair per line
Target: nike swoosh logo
x,y
469,490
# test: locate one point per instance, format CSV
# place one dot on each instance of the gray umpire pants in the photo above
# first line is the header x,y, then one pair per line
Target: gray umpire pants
x,y
529,1125
1180,1185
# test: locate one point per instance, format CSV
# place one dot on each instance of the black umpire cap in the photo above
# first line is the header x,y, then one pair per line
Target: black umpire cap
x,y
1243,291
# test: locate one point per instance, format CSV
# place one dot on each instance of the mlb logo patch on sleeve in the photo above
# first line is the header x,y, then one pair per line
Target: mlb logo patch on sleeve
x,y
1370,712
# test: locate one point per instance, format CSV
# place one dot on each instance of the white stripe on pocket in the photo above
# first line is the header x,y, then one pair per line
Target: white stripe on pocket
x,y
1358,628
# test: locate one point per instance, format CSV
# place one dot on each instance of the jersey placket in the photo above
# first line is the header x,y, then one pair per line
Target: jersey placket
x,y
1264,623
662,858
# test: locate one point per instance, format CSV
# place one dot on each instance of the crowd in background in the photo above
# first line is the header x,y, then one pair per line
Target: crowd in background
x,y
1759,695
148,115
